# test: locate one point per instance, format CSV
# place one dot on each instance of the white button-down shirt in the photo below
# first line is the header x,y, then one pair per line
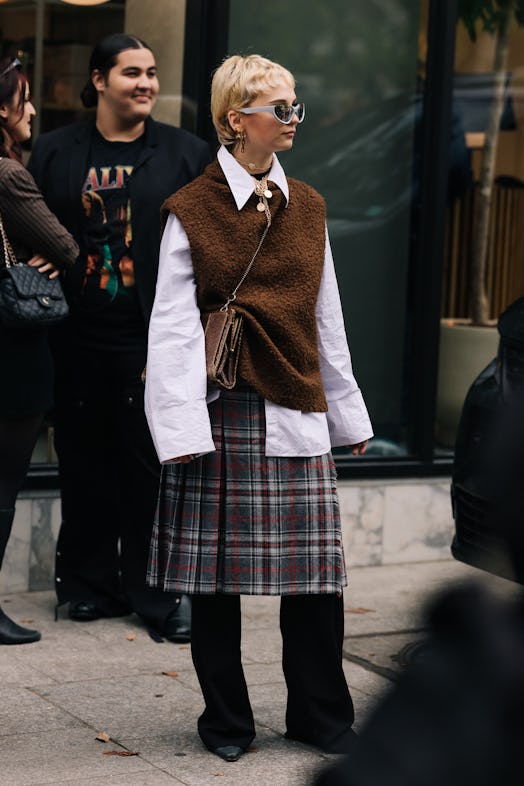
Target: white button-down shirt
x,y
176,395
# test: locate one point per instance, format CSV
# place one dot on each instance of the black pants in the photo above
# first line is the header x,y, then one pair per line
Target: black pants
x,y
17,440
319,707
109,477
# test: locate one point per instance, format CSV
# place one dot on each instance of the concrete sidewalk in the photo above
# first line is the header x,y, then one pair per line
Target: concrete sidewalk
x,y
110,676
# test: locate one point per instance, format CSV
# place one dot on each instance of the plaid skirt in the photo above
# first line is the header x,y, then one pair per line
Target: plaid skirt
x,y
237,521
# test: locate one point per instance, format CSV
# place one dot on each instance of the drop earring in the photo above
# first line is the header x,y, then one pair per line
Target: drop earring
x,y
241,136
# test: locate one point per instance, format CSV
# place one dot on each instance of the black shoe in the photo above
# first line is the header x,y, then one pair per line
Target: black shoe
x,y
344,743
177,626
83,611
86,611
229,752
11,633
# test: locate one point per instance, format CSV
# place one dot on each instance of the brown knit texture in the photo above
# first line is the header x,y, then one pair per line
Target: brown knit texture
x,y
279,355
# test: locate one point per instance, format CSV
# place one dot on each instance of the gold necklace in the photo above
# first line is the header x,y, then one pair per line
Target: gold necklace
x,y
263,193
252,168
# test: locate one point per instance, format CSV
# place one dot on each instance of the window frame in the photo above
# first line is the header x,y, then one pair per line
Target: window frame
x,y
206,44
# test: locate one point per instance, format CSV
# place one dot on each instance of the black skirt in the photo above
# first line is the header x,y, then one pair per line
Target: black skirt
x,y
26,386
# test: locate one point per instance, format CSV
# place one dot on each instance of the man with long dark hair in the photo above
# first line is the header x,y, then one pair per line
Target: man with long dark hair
x,y
106,179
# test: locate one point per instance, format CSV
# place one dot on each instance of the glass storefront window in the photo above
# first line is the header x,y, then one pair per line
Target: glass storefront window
x,y
362,74
466,349
54,41
358,72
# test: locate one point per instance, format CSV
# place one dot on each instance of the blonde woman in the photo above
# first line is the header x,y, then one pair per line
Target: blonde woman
x,y
248,501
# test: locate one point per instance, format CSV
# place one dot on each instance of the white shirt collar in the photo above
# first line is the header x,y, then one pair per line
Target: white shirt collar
x,y
241,183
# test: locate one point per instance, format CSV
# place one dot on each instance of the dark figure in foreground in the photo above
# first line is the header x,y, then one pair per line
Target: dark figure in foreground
x,y
457,715
106,179
26,389
456,718
487,489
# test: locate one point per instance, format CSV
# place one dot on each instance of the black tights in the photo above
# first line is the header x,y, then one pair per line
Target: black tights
x,y
17,440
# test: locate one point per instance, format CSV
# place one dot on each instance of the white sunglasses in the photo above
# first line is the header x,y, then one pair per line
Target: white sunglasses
x,y
283,112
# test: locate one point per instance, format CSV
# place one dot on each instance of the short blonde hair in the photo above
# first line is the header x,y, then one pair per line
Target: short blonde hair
x,y
236,83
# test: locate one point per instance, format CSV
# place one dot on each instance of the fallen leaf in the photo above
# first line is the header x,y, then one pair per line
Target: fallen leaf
x,y
131,636
170,673
358,610
120,753
27,621
158,695
102,736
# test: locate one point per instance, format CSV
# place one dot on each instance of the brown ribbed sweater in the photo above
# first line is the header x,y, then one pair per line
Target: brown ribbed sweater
x,y
29,224
279,355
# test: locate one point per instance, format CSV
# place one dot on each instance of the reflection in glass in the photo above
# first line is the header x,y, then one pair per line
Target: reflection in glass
x,y
356,71
488,88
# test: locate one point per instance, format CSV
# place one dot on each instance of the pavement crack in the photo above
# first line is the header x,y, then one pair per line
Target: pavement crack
x,y
374,634
49,700
383,671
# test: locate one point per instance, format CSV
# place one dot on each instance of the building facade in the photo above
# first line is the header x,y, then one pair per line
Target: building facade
x,y
398,98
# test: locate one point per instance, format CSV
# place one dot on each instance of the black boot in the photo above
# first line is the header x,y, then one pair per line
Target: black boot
x,y
177,626
10,632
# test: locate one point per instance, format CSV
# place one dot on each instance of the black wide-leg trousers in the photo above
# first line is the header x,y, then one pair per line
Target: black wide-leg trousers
x,y
109,476
319,706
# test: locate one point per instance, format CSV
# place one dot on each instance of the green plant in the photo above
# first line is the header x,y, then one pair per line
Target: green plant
x,y
493,17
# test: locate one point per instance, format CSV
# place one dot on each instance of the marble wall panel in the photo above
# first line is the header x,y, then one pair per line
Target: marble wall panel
x,y
362,515
14,576
382,523
45,524
418,523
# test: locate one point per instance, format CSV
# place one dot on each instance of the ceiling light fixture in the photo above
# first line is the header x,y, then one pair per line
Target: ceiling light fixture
x,y
85,2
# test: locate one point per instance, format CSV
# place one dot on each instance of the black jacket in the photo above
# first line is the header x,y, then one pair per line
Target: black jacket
x,y
171,157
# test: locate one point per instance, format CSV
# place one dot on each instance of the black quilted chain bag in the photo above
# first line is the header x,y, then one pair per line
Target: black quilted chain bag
x,y
28,298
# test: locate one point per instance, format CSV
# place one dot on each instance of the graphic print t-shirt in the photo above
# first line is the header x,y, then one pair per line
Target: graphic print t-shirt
x,y
108,314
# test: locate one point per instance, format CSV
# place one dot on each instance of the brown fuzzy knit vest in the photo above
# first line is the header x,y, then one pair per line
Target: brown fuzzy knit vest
x,y
279,355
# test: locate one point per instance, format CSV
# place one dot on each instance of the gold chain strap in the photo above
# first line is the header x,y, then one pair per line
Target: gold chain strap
x,y
9,254
263,193
232,297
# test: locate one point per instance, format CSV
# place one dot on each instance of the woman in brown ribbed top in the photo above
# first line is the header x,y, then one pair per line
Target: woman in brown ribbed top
x,y
40,240
248,501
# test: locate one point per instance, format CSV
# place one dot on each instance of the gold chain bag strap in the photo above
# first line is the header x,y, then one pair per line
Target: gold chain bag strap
x,y
223,328
28,298
9,257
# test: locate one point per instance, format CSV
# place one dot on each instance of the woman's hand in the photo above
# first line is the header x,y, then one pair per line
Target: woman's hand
x,y
44,265
359,448
181,459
